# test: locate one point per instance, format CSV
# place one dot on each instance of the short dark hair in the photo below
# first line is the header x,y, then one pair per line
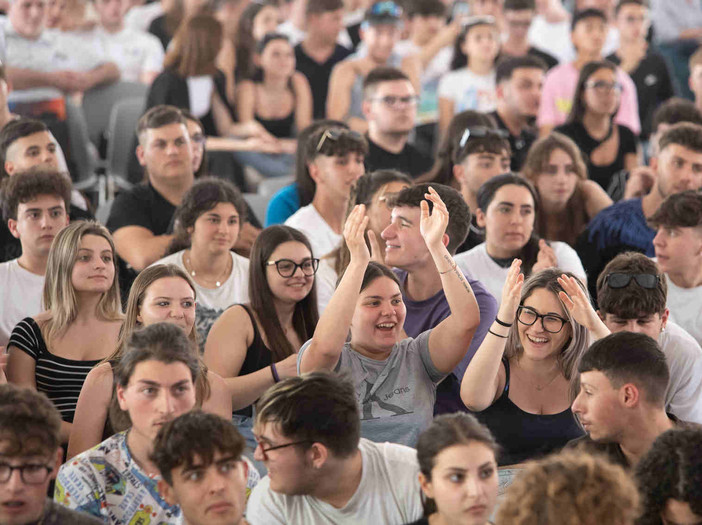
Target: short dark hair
x,y
379,75
194,435
630,357
494,141
581,15
459,212
676,110
318,7
632,301
30,424
679,210
424,8
28,185
671,469
15,130
318,407
506,66
685,134
158,117
622,3
347,141
519,5
374,271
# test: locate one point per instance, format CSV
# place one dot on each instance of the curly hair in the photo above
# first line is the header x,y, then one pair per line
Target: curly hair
x,y
34,182
672,468
571,488
30,424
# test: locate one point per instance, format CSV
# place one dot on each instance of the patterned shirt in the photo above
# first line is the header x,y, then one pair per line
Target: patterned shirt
x,y
106,482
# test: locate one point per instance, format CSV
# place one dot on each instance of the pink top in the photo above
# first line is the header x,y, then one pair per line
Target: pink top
x,y
559,88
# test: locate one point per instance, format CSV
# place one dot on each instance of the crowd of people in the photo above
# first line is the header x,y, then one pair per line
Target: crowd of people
x,y
475,298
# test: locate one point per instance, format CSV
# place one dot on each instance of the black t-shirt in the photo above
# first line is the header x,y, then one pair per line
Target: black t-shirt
x,y
158,29
318,75
602,175
410,160
520,144
11,248
549,60
654,85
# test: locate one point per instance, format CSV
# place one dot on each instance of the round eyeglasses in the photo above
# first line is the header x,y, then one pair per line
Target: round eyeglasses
x,y
288,267
552,323
30,473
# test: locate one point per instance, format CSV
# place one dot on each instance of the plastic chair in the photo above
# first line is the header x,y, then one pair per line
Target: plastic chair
x,y
83,155
124,117
258,204
98,102
270,186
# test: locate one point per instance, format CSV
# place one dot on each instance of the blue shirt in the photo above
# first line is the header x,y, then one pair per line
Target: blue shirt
x,y
282,205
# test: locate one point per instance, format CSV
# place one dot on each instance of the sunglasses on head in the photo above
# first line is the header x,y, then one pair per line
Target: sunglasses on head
x,y
387,8
480,132
333,135
621,280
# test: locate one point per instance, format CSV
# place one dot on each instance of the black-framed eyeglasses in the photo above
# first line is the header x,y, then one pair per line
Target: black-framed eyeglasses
x,y
288,267
481,132
265,451
30,473
333,135
621,280
392,101
552,323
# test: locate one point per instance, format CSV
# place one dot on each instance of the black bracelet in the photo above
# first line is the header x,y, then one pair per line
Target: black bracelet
x,y
497,335
502,323
276,377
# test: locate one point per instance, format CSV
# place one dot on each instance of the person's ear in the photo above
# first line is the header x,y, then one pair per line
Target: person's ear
x,y
167,492
318,455
629,395
120,398
459,173
500,90
664,318
653,162
140,155
9,167
602,316
426,486
445,239
12,226
314,171
480,218
366,109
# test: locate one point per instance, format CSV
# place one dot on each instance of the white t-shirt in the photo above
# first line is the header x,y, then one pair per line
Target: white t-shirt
x,y
477,264
21,296
388,494
296,35
140,17
134,52
469,91
322,238
684,357
211,302
325,280
685,305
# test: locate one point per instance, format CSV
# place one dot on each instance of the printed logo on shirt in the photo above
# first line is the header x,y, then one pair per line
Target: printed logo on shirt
x,y
564,105
382,404
650,79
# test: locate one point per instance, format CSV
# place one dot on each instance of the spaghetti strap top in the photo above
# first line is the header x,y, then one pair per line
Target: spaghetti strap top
x,y
258,357
523,435
282,128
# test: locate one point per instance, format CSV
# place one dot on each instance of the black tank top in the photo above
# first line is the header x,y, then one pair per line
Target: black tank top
x,y
282,128
258,357
522,435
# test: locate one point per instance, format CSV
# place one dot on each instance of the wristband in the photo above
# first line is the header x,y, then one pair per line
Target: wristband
x,y
274,372
502,323
497,335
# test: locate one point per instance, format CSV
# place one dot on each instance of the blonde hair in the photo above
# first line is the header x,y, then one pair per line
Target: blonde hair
x,y
137,293
570,488
59,296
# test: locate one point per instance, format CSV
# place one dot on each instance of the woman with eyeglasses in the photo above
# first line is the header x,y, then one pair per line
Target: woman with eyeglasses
x,y
254,344
521,380
609,148
207,225
508,206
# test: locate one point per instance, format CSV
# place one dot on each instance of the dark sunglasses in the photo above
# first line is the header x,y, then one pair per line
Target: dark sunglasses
x,y
621,280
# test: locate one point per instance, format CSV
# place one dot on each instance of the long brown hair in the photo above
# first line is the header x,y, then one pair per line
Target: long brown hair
x,y
195,46
305,316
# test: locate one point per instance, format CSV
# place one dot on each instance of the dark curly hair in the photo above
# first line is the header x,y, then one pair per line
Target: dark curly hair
x,y
31,184
672,469
30,424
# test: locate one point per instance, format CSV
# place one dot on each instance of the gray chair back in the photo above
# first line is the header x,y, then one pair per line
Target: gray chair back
x,y
99,101
120,138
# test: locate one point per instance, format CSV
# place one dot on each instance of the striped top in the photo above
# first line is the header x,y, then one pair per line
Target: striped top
x,y
59,378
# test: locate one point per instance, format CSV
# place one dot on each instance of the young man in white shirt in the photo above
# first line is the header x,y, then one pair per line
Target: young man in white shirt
x,y
335,162
325,473
678,245
35,207
138,54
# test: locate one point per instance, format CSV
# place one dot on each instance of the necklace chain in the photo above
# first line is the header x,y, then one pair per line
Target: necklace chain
x,y
218,281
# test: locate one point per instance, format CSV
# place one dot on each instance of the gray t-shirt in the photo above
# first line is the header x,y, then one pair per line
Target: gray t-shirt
x,y
388,494
396,396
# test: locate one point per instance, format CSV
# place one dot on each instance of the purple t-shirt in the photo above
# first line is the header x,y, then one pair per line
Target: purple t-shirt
x,y
425,315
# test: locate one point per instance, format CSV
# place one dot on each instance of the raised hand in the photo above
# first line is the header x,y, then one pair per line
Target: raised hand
x,y
377,254
354,230
433,226
511,292
578,304
546,258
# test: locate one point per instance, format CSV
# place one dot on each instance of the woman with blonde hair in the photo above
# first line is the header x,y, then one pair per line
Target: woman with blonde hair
x,y
570,488
160,293
53,351
569,200
521,381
